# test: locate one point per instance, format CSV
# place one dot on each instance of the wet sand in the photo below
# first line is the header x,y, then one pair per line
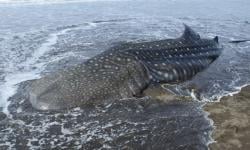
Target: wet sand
x,y
231,118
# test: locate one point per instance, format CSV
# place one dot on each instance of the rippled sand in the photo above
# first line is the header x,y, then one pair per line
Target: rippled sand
x,y
231,118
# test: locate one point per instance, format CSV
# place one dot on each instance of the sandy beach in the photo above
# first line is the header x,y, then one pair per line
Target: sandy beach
x,y
231,118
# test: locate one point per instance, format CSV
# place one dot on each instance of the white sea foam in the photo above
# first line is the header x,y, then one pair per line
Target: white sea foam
x,y
237,90
9,86
45,47
215,99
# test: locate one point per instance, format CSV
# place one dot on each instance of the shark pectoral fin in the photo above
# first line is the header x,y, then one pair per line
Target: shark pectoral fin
x,y
157,92
190,34
139,95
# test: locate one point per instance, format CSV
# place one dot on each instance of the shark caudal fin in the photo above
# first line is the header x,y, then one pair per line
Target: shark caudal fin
x,y
175,60
182,58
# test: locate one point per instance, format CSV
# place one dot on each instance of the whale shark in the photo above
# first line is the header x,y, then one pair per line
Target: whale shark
x,y
125,71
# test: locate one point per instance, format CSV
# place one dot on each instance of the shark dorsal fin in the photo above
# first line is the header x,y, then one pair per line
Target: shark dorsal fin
x,y
216,39
190,34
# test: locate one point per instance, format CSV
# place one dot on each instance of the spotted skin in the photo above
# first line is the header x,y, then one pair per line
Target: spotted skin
x,y
124,71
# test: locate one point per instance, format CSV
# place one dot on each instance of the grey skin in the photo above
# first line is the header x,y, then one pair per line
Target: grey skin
x,y
125,71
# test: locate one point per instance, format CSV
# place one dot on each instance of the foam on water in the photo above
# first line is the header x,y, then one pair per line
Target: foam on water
x,y
217,97
11,80
45,47
10,85
33,66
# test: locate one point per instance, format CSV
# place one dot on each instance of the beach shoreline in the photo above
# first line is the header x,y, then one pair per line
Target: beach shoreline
x,y
231,117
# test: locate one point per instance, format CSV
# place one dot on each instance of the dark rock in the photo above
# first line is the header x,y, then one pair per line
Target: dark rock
x,y
55,130
2,116
4,147
231,116
35,143
21,143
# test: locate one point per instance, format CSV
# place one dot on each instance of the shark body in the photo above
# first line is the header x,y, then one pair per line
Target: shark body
x,y
124,71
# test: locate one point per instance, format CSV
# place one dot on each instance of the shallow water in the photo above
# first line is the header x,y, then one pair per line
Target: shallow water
x,y
39,38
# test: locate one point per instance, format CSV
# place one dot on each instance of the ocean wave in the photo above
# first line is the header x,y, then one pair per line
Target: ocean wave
x,y
34,64
40,2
